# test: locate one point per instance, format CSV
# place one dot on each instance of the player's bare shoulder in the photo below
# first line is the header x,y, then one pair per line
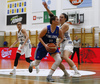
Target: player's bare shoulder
x,y
23,30
65,27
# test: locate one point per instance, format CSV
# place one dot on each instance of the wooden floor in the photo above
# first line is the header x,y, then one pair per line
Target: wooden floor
x,y
9,79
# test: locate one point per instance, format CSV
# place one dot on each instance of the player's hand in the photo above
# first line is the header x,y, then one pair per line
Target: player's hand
x,y
45,4
47,48
11,46
57,45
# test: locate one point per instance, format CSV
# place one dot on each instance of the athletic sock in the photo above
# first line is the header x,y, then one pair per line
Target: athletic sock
x,y
75,68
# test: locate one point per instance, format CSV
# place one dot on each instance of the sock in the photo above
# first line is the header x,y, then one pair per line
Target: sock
x,y
75,68
54,66
14,67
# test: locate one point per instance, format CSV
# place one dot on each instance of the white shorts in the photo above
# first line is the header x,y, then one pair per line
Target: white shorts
x,y
66,45
25,50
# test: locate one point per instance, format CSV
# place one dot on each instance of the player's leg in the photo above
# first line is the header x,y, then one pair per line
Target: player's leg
x,y
73,54
18,54
28,60
61,66
39,54
15,63
70,62
54,66
27,50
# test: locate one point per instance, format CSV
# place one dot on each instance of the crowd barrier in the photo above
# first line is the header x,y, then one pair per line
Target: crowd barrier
x,y
87,55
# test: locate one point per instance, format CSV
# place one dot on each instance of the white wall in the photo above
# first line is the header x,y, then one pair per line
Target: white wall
x,y
2,14
91,14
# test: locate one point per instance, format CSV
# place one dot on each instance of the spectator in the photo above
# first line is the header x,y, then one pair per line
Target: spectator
x,y
5,44
88,46
33,46
96,45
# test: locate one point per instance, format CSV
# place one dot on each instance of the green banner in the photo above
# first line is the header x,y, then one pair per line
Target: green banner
x,y
47,17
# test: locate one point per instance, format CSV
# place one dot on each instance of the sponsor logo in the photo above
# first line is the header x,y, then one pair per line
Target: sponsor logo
x,y
76,2
35,17
5,52
16,19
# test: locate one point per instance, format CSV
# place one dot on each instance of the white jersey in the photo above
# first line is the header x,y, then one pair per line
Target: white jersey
x,y
67,33
67,43
22,37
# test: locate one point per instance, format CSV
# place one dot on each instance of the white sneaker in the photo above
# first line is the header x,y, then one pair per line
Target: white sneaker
x,y
65,76
37,69
76,74
13,72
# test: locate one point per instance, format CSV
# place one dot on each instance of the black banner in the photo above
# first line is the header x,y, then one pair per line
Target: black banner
x,y
14,19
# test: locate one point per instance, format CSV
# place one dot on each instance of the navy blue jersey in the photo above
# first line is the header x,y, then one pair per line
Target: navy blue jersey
x,y
49,36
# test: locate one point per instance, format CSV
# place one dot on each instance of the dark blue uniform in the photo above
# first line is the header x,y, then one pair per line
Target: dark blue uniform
x,y
48,38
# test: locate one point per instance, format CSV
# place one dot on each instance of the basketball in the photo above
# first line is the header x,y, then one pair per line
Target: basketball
x,y
52,47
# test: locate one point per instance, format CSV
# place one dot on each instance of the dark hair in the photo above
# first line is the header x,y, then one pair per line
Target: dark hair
x,y
52,18
66,16
51,15
19,22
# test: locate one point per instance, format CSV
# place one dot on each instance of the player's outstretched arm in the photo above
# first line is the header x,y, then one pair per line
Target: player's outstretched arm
x,y
14,43
46,7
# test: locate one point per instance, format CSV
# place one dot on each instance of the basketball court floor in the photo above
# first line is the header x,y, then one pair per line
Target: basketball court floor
x,y
90,73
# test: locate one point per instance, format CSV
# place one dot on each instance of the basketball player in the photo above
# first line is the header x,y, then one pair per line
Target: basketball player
x,y
48,35
66,47
24,46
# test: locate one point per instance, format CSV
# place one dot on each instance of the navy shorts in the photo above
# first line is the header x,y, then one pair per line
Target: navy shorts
x,y
42,52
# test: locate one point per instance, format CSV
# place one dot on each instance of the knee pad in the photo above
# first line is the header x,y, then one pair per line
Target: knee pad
x,y
57,59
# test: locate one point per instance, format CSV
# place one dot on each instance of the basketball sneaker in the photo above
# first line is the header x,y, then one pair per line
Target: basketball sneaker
x,y
37,69
49,78
65,76
76,74
13,72
30,67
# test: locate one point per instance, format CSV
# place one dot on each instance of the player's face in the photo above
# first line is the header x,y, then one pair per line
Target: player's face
x,y
19,26
62,18
76,37
57,21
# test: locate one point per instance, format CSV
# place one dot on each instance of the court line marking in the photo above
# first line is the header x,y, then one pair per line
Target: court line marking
x,y
58,72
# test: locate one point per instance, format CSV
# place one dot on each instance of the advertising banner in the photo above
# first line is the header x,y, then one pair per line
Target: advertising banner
x,y
68,4
87,55
14,19
47,17
37,17
16,7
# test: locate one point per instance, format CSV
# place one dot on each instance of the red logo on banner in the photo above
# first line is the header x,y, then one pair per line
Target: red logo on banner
x,y
34,17
76,2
